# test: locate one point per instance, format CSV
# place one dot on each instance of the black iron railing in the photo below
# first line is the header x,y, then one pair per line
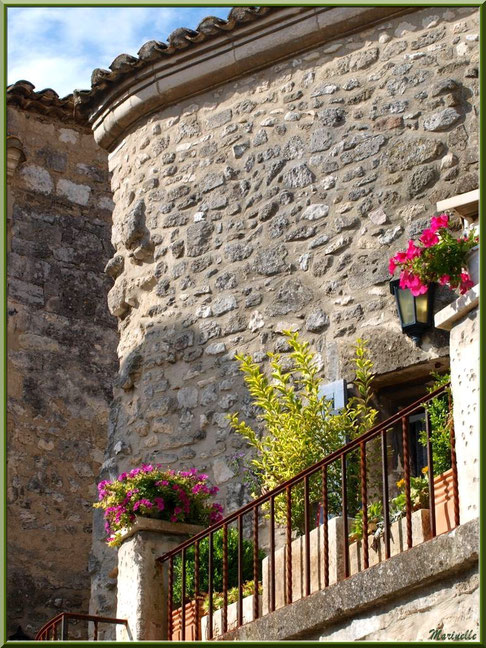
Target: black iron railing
x,y
57,629
354,486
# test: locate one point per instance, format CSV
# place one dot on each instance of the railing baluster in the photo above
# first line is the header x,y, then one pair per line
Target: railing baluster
x,y
240,571
379,430
170,596
325,523
406,467
51,630
256,609
183,596
307,536
225,578
344,495
288,567
455,485
196,589
64,628
210,585
364,503
386,511
272,554
430,464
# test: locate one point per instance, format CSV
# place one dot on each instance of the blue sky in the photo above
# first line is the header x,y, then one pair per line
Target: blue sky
x,y
59,47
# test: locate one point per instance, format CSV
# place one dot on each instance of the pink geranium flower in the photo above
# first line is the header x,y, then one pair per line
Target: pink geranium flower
x,y
466,283
412,251
416,286
429,238
439,222
444,280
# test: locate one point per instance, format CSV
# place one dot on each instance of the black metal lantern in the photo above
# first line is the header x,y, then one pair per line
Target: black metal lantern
x,y
415,313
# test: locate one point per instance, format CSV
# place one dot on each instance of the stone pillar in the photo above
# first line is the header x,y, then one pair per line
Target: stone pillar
x,y
142,582
461,318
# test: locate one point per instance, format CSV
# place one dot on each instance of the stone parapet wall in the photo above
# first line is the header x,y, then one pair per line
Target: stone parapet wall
x,y
274,202
61,362
433,586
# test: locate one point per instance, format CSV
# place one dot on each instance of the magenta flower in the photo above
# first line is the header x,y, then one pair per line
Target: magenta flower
x,y
412,251
444,280
123,476
159,503
439,222
143,502
392,266
466,283
429,238
416,286
405,277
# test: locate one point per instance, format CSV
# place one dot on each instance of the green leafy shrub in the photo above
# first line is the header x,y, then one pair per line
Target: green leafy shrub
x,y
441,422
299,428
247,550
248,589
375,521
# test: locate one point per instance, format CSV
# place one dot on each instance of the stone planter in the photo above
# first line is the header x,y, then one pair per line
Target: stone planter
x,y
232,617
398,541
190,620
142,581
473,264
336,564
444,502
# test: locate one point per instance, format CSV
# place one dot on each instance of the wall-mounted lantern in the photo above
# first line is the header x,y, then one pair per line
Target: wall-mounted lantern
x,y
415,313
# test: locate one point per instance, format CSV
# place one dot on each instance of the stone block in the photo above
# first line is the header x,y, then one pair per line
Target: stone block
x,y
398,541
316,536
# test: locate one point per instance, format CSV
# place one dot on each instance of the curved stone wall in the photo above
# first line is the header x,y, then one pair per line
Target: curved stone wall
x,y
274,201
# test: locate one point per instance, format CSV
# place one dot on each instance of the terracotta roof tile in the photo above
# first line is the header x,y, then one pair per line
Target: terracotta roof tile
x,y
74,107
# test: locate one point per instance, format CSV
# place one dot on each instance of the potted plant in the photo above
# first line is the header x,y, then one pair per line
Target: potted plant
x,y
155,492
300,426
419,498
438,257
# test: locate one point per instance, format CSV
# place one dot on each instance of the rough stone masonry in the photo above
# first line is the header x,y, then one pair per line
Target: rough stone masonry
x,y
61,362
272,202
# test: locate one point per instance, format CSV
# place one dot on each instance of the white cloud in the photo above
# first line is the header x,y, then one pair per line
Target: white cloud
x,y
59,47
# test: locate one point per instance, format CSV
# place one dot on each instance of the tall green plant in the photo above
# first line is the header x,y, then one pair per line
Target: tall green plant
x,y
441,422
298,426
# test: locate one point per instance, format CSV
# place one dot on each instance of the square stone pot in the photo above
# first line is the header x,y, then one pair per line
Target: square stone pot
x,y
190,621
398,541
232,617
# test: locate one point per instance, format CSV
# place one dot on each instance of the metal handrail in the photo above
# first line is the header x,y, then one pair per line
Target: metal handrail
x,y
377,432
62,618
351,445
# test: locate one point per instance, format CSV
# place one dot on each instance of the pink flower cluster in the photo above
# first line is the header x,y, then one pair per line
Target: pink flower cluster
x,y
420,263
156,492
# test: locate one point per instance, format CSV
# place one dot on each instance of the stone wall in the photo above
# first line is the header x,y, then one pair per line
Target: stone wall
x,y
274,201
449,606
61,361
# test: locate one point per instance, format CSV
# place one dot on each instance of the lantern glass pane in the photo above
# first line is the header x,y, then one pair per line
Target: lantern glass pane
x,y
422,302
405,301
